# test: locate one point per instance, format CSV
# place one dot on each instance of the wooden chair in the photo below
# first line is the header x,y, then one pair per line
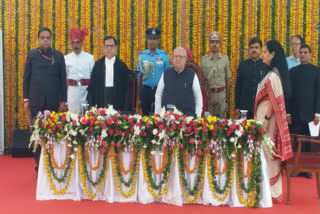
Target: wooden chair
x,y
303,161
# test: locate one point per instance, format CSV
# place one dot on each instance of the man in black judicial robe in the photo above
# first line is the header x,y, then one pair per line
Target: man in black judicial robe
x,y
305,99
109,82
44,80
248,76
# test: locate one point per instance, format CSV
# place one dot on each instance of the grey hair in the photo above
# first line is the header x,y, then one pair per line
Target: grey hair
x,y
181,48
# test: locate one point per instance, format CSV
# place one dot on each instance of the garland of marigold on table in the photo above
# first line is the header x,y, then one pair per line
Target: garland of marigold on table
x,y
147,169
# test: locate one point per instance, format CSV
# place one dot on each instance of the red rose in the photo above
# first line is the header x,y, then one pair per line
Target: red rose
x,y
215,126
91,122
167,130
118,145
243,122
104,143
186,154
74,122
131,129
59,125
102,111
91,129
148,125
112,144
42,125
206,149
259,139
119,112
53,128
114,118
237,127
111,131
252,137
115,129
109,121
83,121
103,150
193,153
130,119
184,122
229,131
138,124
125,117
252,127
233,126
200,153
144,134
181,146
189,129
120,133
204,129
63,118
104,126
191,140
194,124
196,131
260,130
126,133
117,122
99,138
174,126
199,142
90,113
161,126
179,127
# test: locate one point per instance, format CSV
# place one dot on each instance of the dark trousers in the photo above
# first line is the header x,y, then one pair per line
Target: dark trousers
x,y
302,128
34,111
147,99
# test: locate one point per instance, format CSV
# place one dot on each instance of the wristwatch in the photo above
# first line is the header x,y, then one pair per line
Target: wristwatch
x,y
266,117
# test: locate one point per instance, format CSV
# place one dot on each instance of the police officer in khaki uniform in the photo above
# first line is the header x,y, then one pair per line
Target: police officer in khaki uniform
x,y
216,68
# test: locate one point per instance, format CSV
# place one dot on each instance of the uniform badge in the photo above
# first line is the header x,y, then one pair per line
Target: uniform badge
x,y
154,32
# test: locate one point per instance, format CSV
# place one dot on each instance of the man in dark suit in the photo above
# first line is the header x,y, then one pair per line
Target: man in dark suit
x,y
109,82
44,80
305,101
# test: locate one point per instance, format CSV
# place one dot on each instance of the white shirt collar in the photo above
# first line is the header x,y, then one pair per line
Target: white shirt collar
x,y
112,60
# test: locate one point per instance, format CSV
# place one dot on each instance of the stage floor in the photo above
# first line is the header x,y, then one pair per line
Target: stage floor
x,y
18,192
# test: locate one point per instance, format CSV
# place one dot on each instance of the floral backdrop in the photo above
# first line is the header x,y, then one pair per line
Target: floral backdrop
x,y
182,23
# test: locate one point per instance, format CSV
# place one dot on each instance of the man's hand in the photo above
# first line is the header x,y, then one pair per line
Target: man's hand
x,y
28,112
138,103
289,119
237,111
316,120
62,107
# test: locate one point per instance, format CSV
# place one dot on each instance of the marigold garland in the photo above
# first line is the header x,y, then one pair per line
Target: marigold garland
x,y
162,187
163,162
49,173
88,160
186,167
54,160
123,170
84,174
196,191
119,179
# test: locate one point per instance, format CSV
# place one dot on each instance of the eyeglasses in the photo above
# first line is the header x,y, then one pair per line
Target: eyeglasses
x,y
295,44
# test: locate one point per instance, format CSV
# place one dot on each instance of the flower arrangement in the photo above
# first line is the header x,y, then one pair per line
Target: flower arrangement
x,y
203,140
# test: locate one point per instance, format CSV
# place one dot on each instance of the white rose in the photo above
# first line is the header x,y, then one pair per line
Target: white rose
x,y
155,131
232,140
152,152
153,141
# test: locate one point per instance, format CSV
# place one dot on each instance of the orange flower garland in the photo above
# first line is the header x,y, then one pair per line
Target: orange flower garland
x,y
131,163
190,171
163,164
217,168
88,160
248,168
54,163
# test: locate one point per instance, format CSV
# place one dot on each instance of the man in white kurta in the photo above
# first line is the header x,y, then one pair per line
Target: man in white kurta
x,y
79,66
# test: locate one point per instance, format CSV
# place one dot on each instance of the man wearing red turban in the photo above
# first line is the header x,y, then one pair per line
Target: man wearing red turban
x,y
79,65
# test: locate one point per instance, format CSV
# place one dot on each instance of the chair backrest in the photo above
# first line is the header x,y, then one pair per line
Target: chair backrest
x,y
203,81
303,139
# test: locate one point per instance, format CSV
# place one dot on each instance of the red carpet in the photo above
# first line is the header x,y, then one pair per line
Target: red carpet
x,y
18,187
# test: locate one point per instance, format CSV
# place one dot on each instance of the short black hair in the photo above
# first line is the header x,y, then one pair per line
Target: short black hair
x,y
298,37
44,29
255,40
305,46
110,37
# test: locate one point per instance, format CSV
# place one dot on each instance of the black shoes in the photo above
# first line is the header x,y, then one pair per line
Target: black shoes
x,y
302,174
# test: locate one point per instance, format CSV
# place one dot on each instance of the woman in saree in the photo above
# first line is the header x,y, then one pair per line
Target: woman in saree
x,y
270,108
